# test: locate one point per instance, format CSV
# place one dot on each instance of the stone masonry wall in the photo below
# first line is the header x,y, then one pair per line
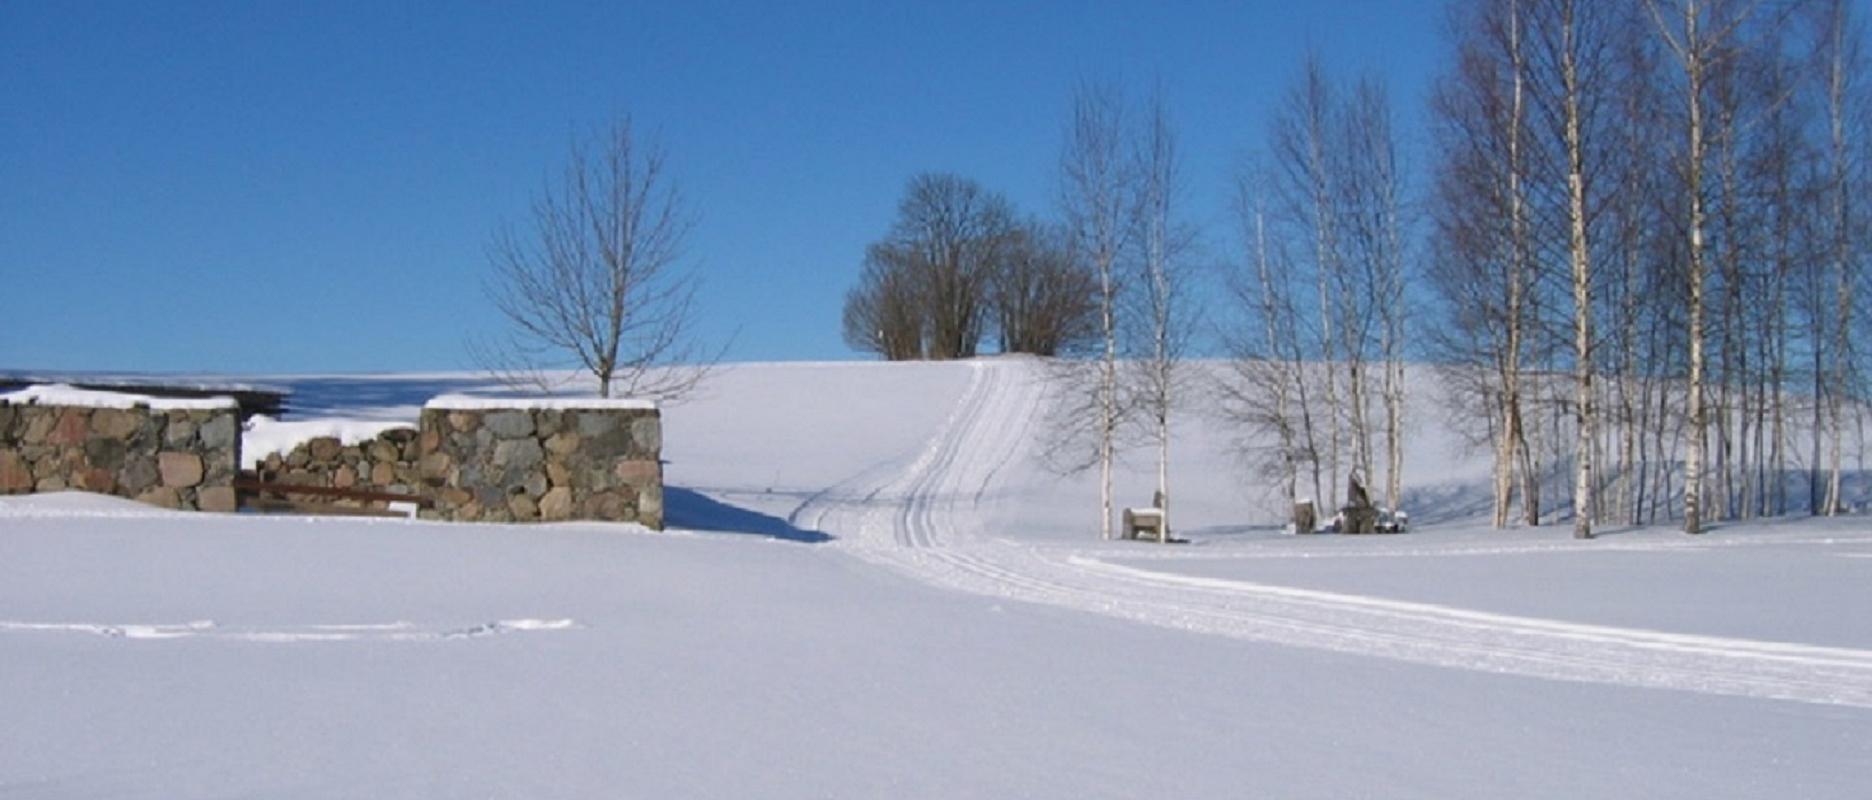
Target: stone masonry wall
x,y
598,461
385,463
171,457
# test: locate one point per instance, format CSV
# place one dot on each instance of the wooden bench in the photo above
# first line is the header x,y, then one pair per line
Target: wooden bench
x,y
257,491
1139,520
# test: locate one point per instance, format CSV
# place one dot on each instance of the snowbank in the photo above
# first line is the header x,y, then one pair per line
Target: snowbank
x,y
59,394
468,402
265,435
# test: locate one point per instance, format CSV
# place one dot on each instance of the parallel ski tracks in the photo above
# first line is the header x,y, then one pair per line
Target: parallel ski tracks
x,y
926,522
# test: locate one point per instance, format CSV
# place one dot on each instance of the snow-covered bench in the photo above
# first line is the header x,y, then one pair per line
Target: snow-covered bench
x,y
1139,520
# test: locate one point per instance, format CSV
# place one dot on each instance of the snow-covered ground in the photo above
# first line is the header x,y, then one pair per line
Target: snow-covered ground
x,y
876,590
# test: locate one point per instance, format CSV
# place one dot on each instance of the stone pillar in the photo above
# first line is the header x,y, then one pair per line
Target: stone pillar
x,y
499,460
171,453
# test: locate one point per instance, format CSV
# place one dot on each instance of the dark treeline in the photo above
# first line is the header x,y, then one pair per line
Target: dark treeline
x,y
956,265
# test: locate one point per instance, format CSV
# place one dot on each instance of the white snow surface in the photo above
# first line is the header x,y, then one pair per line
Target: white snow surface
x,y
469,402
59,394
873,588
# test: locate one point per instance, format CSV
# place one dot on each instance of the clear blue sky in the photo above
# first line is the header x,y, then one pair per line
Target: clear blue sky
x,y
273,186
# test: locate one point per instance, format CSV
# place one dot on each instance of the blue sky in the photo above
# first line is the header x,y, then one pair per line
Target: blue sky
x,y
295,187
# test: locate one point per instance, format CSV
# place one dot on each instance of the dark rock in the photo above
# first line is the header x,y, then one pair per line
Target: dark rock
x,y
105,453
138,474
220,431
509,424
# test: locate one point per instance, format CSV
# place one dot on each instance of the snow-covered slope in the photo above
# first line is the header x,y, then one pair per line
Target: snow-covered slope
x,y
921,610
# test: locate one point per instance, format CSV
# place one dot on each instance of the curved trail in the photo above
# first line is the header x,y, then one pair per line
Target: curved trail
x,y
926,521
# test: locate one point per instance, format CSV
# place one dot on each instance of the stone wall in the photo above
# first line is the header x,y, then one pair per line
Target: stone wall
x,y
170,453
546,461
385,463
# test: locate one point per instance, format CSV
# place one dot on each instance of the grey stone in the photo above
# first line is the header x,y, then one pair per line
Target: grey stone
x,y
104,453
596,423
546,422
518,454
179,431
220,432
139,474
381,451
38,424
647,435
611,444
535,484
116,423
509,424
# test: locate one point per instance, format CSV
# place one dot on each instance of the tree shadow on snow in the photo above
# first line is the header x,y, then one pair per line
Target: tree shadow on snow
x,y
691,510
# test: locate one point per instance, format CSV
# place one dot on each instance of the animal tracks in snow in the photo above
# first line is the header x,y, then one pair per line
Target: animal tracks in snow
x,y
928,522
208,629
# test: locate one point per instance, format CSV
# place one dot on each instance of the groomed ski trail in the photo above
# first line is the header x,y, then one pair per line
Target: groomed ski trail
x,y
926,521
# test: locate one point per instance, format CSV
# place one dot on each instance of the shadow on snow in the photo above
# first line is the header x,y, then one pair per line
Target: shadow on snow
x,y
692,510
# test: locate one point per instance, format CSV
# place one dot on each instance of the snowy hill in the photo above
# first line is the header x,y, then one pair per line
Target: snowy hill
x,y
876,589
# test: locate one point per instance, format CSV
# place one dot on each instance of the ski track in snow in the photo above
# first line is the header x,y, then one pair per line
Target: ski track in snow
x,y
207,629
926,522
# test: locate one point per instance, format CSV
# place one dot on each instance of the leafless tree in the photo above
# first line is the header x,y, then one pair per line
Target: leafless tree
x,y
884,313
1484,238
1165,308
1846,123
1045,297
1701,34
1371,207
1266,393
595,277
925,288
1097,198
1305,181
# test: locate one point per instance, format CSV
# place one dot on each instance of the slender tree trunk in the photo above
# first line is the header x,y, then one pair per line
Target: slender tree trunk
x,y
1584,398
1838,74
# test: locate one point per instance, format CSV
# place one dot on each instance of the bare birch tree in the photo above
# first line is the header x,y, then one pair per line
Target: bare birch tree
x,y
1266,393
1699,39
1163,302
1306,185
1097,191
1844,64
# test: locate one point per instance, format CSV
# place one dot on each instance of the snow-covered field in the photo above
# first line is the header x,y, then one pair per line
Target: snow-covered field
x,y
876,590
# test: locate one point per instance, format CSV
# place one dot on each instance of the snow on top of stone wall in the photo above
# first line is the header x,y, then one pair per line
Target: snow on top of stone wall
x,y
59,394
468,402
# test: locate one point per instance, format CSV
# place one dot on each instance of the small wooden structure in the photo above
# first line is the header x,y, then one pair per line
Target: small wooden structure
x,y
275,497
1138,521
